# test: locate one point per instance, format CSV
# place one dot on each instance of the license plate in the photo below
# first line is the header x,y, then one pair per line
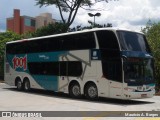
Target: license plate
x,y
143,95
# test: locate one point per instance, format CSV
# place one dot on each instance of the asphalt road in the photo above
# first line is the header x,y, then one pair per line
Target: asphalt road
x,y
40,100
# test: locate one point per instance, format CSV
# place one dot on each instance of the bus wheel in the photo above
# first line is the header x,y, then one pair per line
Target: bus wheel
x,y
74,90
26,85
19,84
91,91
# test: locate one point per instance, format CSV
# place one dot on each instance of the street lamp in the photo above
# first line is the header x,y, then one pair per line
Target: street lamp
x,y
94,15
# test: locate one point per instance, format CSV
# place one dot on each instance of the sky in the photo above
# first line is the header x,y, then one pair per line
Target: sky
x,y
129,14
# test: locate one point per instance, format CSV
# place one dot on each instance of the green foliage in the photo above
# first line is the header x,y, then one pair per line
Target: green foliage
x,y
152,32
79,27
70,6
6,37
50,29
66,6
58,28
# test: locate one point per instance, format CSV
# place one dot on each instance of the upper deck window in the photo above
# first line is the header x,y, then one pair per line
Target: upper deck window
x,y
107,40
80,41
133,41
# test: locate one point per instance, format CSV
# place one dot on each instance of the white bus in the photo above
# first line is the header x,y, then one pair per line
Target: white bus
x,y
102,62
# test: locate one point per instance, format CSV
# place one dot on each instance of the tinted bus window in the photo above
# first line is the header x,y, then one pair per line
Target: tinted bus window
x,y
68,42
70,68
33,46
133,41
44,68
110,55
77,41
112,70
107,40
64,68
108,44
74,68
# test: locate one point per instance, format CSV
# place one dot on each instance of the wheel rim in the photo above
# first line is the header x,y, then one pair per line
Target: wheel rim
x,y
19,84
92,92
76,90
26,85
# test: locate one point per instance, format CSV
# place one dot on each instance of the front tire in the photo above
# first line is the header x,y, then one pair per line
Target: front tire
x,y
91,91
75,90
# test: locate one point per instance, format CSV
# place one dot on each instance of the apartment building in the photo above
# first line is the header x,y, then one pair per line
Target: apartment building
x,y
22,24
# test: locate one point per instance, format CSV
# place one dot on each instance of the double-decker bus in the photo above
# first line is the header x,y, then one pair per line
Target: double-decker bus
x,y
102,62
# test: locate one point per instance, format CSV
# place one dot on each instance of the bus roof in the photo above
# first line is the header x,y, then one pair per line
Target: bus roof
x,y
70,33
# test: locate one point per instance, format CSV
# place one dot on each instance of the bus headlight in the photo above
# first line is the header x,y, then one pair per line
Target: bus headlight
x,y
140,88
147,87
129,89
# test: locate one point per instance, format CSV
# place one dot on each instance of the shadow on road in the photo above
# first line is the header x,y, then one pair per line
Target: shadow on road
x,y
66,96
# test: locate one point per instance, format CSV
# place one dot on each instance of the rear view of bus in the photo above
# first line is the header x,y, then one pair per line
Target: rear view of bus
x,y
138,67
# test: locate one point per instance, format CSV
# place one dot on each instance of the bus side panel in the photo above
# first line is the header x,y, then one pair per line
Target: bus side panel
x,y
92,72
82,56
11,75
115,89
18,66
47,82
9,78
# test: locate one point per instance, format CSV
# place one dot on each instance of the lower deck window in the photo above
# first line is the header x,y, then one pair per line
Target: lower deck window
x,y
112,70
64,68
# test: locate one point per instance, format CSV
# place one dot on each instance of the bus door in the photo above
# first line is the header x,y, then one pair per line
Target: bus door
x,y
111,61
112,71
115,89
116,85
63,78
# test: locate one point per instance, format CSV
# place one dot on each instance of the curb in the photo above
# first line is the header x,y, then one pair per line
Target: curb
x,y
1,81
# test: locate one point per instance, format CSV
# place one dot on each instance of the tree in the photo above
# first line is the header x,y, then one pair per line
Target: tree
x,y
70,6
58,28
79,27
5,37
152,33
50,29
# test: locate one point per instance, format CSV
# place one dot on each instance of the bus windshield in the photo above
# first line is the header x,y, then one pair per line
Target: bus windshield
x,y
132,41
139,72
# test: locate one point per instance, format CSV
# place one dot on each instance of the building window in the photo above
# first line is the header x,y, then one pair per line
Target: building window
x,y
33,23
29,22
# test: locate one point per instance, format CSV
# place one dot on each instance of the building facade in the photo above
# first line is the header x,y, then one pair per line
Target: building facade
x,y
44,19
22,24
